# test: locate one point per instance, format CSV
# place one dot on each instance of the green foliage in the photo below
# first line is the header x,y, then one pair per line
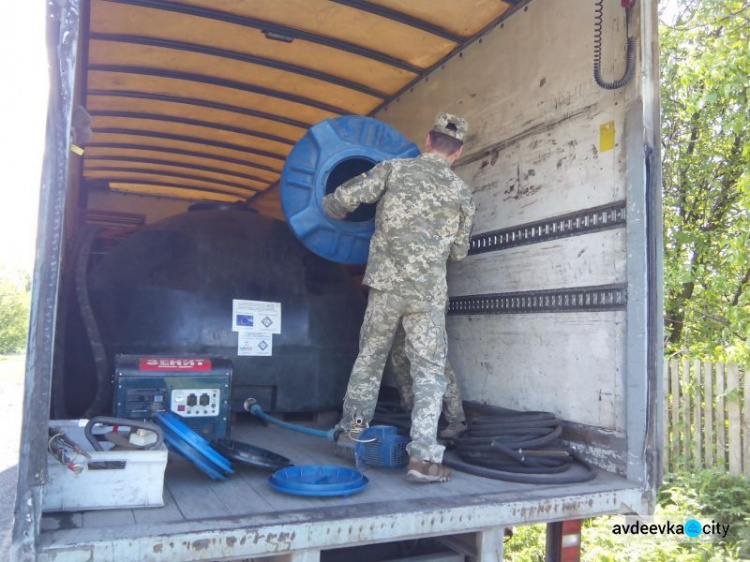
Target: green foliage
x,y
706,496
705,63
15,291
527,544
713,495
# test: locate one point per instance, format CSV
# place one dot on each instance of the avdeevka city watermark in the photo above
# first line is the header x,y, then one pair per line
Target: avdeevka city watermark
x,y
690,528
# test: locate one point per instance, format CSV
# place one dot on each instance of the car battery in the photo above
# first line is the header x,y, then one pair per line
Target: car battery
x,y
195,388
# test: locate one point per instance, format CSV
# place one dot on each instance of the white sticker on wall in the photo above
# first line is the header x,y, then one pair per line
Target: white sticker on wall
x,y
256,316
250,343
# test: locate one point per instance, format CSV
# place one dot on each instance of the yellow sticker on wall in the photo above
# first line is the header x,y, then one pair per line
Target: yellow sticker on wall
x,y
606,136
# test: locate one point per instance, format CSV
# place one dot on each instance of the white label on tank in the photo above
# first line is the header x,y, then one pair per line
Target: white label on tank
x,y
255,344
256,317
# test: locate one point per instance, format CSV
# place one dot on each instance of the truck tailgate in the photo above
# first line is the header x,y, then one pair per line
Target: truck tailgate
x,y
243,517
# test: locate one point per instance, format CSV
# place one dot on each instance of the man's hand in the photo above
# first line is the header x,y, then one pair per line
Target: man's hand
x,y
332,209
364,188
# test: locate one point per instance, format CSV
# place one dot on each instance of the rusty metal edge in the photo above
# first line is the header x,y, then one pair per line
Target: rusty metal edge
x,y
287,533
63,21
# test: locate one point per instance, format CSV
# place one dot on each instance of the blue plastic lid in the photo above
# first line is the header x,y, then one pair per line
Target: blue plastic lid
x,y
178,445
184,438
318,481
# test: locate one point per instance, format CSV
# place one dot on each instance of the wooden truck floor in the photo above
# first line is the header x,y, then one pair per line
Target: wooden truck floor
x,y
244,517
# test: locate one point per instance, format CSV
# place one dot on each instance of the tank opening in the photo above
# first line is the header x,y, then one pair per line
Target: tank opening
x,y
347,169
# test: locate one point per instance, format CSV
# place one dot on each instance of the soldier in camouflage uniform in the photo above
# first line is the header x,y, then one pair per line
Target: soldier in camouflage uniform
x,y
423,217
453,408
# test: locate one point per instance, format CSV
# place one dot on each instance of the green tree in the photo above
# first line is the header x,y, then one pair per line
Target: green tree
x,y
705,65
15,299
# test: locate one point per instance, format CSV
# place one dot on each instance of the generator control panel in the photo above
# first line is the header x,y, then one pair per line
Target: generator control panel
x,y
197,389
191,402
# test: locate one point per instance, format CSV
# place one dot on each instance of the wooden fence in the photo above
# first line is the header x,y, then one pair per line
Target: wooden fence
x,y
706,416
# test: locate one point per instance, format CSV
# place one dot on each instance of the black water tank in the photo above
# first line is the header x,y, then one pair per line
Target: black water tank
x,y
169,288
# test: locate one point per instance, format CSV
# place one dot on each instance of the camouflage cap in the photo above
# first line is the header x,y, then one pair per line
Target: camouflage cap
x,y
451,125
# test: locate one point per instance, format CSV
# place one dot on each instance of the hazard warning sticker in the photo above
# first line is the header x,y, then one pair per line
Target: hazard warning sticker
x,y
250,343
256,316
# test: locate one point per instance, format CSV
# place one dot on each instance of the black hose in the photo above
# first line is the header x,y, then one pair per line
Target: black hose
x,y
59,403
505,444
391,413
101,398
456,463
630,53
518,447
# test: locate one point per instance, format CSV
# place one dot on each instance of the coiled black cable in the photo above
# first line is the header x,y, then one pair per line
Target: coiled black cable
x,y
630,53
503,444
519,447
391,413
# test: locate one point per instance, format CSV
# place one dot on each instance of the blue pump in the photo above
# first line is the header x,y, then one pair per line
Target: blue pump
x,y
381,445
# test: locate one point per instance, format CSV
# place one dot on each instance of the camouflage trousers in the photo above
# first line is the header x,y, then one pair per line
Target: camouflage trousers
x,y
425,347
453,408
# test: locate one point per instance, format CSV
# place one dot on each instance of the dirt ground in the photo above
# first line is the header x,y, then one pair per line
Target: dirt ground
x,y
11,401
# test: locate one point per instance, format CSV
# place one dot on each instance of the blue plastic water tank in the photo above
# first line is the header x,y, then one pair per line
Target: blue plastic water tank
x,y
330,153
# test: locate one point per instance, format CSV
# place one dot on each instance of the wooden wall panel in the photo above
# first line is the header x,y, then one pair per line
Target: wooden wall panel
x,y
274,164
177,159
124,19
189,111
354,26
124,54
463,18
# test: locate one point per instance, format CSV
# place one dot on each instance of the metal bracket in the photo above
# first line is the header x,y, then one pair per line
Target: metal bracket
x,y
579,299
585,221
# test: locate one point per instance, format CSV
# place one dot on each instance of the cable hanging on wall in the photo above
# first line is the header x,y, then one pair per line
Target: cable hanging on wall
x,y
630,53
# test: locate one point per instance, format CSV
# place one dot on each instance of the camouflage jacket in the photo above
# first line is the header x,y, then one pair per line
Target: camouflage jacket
x,y
423,217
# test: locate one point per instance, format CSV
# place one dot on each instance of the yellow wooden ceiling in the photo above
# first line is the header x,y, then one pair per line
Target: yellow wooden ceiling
x,y
203,99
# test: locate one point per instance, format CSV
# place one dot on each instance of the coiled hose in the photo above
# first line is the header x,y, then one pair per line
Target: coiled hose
x,y
518,447
630,53
391,413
